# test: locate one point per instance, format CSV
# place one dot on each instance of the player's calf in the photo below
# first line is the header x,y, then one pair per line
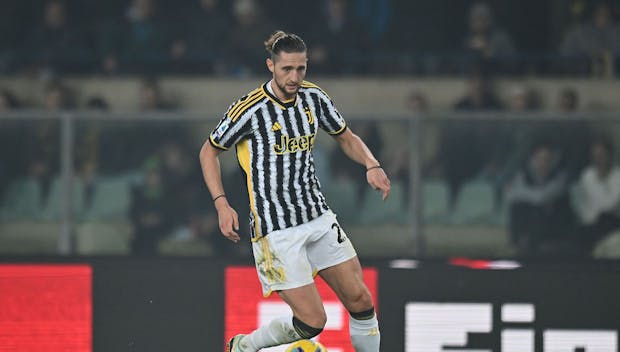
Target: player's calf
x,y
278,332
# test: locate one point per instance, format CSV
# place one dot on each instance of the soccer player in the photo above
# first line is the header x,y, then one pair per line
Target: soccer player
x,y
294,233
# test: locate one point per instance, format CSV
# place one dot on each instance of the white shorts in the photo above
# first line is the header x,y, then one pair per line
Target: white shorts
x,y
291,257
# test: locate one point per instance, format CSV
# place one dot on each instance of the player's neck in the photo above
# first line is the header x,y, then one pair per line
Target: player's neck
x,y
275,90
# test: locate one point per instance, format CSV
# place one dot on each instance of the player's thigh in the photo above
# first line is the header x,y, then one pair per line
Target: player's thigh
x,y
347,281
329,245
281,260
306,304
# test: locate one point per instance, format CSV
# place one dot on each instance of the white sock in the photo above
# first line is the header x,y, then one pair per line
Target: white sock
x,y
365,335
279,331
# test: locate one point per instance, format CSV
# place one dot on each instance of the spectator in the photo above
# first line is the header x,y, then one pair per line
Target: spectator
x,y
40,142
199,42
9,140
417,102
97,103
8,101
598,39
519,133
569,132
125,144
470,147
104,147
245,56
398,160
151,98
539,208
58,97
522,99
55,44
568,100
139,42
574,134
480,94
192,216
338,40
182,178
484,39
598,194
89,150
149,210
134,141
170,202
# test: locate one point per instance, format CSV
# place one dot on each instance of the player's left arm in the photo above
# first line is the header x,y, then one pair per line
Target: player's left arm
x,y
355,148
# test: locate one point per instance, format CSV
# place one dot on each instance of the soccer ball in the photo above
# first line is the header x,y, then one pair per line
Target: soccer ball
x,y
306,346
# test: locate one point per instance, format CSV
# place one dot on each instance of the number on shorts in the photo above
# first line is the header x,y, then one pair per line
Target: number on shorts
x,y
341,237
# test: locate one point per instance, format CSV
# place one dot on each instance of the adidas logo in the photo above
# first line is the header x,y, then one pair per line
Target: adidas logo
x,y
276,127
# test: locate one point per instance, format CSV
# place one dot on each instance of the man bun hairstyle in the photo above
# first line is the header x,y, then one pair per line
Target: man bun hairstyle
x,y
281,41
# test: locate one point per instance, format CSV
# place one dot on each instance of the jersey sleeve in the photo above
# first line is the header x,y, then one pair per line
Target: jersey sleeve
x,y
330,119
230,130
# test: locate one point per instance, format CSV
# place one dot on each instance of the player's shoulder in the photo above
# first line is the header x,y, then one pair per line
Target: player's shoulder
x,y
249,96
309,86
245,103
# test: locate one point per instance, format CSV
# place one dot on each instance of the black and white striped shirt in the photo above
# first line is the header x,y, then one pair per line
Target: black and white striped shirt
x,y
274,142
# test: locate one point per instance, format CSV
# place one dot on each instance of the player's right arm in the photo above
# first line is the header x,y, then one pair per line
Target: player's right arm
x,y
232,128
212,173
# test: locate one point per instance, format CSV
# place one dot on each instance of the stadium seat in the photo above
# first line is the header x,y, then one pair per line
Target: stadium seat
x,y
382,240
475,204
22,200
103,238
608,247
488,241
436,201
54,205
191,247
29,237
576,197
341,198
111,198
376,211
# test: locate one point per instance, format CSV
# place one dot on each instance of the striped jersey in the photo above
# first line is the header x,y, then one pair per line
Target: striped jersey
x,y
273,141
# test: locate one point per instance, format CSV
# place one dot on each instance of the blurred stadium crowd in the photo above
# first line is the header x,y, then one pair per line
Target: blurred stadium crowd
x,y
361,37
552,188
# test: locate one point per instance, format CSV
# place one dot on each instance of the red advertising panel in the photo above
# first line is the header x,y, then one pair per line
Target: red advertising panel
x,y
246,309
45,308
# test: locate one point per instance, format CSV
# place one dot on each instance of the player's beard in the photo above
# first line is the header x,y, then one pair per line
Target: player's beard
x,y
286,93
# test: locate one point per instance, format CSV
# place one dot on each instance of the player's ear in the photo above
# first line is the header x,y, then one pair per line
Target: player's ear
x,y
270,64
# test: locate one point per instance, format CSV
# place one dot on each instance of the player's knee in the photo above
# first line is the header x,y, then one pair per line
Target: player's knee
x,y
317,321
307,331
358,299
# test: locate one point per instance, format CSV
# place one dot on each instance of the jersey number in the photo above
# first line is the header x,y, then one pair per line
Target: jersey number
x,y
341,237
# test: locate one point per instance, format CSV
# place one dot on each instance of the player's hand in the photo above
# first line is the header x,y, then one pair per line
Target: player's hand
x,y
378,180
228,220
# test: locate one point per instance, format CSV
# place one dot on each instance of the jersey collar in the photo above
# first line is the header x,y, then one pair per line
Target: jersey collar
x,y
269,92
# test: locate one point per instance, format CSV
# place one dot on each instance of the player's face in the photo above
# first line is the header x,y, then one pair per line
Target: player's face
x,y
289,70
